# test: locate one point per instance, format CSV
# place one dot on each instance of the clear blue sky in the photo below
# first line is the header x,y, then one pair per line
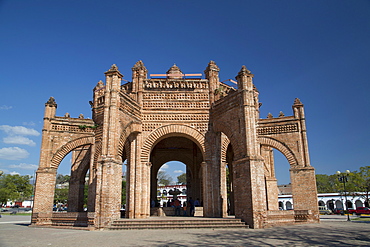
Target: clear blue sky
x,y
318,51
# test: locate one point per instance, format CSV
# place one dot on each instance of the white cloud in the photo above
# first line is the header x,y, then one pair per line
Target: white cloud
x,y
165,166
5,107
19,140
178,171
14,173
19,130
13,153
29,123
24,166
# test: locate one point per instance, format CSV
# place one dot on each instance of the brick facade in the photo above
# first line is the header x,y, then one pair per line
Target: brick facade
x,y
204,123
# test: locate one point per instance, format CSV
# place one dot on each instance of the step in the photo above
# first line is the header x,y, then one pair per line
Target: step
x,y
130,224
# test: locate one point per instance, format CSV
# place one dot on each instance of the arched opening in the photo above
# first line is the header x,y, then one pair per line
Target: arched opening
x,y
359,203
124,188
72,181
330,205
338,204
171,180
282,167
277,177
167,152
229,180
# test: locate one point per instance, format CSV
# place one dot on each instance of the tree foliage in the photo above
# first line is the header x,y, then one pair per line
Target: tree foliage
x,y
358,181
164,178
361,182
14,187
62,179
326,183
181,179
61,195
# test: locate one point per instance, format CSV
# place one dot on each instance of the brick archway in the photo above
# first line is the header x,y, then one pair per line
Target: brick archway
x,y
286,151
67,148
168,130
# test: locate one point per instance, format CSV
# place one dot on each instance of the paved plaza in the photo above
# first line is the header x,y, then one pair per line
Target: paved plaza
x,y
332,231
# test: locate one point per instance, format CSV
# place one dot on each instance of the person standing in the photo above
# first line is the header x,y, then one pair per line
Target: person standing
x,y
192,206
177,205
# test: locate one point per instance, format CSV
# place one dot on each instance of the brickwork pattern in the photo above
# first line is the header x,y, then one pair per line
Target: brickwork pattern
x,y
146,120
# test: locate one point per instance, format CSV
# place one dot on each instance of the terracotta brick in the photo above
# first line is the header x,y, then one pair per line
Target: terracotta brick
x,y
204,123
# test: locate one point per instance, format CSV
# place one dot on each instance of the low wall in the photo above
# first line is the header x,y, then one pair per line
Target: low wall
x,y
289,217
75,219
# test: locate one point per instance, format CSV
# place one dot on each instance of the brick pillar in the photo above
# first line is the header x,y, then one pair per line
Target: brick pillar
x,y
92,193
304,190
211,173
44,195
76,192
145,204
137,188
272,192
249,191
248,177
109,165
110,189
223,190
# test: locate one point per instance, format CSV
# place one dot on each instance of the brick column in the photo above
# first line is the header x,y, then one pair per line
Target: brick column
x,y
76,192
110,189
137,188
249,191
304,190
272,192
223,190
44,195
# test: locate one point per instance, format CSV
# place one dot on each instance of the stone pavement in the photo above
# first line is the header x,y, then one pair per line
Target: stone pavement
x,y
332,231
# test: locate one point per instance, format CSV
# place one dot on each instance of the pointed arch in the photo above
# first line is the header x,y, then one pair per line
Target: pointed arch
x,y
67,148
286,151
173,129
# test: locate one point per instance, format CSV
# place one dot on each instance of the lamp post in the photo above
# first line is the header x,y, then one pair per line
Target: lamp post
x,y
343,178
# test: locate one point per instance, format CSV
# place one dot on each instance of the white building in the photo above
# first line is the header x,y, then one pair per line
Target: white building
x,y
164,194
330,200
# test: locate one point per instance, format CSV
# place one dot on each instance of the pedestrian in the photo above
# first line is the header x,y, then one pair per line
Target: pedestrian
x,y
177,205
184,207
192,206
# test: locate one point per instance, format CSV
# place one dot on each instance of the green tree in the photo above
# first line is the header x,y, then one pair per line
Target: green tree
x,y
181,179
61,195
326,183
14,187
164,178
62,179
360,182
